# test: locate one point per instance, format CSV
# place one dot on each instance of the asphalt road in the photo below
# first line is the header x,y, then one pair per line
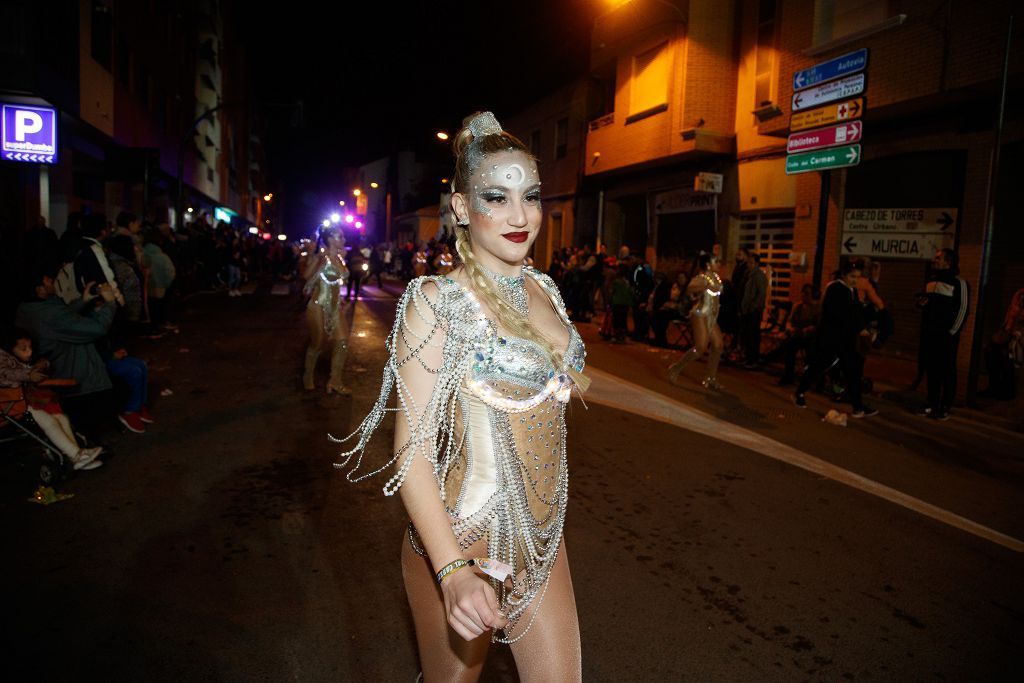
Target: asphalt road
x,y
222,545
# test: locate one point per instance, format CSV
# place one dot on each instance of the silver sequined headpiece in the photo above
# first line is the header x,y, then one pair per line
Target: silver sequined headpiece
x,y
484,124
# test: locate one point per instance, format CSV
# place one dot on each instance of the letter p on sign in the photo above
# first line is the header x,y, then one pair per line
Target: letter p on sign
x,y
26,123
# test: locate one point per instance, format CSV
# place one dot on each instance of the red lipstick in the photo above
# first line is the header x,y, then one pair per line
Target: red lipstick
x,y
517,237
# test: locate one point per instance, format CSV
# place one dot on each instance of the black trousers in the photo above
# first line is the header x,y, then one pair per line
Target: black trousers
x,y
851,363
750,333
940,368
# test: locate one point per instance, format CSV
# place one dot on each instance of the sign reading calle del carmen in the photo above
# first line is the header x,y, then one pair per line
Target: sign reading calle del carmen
x,y
900,233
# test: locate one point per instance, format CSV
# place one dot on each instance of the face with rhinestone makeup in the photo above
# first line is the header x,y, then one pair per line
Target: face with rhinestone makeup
x,y
503,207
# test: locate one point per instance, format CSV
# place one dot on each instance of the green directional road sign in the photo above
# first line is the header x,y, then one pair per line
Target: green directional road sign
x,y
823,160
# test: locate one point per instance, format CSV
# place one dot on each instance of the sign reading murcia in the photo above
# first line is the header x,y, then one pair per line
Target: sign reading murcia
x,y
29,133
902,233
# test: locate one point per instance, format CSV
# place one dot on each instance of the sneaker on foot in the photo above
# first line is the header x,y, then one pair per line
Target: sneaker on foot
x,y
133,422
941,415
145,415
799,400
925,412
85,458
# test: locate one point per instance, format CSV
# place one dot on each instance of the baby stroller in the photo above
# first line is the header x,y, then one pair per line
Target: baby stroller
x,y
17,425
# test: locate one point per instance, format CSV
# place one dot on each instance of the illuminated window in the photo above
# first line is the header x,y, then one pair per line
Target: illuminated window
x,y
834,19
649,85
765,58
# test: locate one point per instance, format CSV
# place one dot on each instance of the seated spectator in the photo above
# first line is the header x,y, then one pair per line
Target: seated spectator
x,y
66,334
668,301
799,334
18,370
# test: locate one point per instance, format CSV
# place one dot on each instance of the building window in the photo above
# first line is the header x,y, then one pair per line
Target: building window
x,y
649,83
101,34
834,19
124,63
770,234
561,138
535,144
764,75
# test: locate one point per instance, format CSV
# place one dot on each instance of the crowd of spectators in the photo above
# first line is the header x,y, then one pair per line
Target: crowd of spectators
x,y
90,297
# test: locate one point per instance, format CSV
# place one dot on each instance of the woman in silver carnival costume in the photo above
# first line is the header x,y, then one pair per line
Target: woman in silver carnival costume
x,y
705,289
325,274
483,362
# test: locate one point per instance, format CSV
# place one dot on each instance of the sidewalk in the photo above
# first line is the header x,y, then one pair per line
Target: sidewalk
x,y
891,375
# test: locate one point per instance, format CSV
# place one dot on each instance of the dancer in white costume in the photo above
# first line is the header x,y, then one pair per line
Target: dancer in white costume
x,y
483,362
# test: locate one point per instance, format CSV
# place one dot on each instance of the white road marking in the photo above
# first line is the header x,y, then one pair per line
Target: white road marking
x,y
609,390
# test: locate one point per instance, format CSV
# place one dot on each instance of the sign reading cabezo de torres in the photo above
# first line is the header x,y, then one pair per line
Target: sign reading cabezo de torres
x,y
904,233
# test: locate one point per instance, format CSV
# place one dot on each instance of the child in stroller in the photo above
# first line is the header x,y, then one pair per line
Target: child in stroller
x,y
21,392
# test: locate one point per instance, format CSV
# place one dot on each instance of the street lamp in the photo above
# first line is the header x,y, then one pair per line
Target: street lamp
x,y
374,185
441,135
335,218
327,223
267,197
341,203
356,192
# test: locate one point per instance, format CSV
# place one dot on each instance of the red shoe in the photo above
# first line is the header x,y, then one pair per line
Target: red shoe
x,y
145,415
133,422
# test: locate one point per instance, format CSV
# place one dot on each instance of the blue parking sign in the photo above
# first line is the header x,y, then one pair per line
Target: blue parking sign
x,y
29,134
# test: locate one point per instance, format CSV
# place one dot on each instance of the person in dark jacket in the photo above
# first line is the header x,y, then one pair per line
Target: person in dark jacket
x,y
945,304
752,302
840,327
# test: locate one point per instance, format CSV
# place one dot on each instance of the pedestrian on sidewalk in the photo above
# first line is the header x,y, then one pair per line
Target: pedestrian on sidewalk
x,y
755,294
622,298
704,291
840,331
480,447
1006,352
945,303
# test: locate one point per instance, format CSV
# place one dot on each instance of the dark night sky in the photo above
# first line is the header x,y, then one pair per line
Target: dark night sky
x,y
388,75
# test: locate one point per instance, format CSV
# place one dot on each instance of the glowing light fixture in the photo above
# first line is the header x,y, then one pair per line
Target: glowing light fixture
x,y
335,218
374,185
282,238
356,192
349,218
341,203
327,222
253,230
441,135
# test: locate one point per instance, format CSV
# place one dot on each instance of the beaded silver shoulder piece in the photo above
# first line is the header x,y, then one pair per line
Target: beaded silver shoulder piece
x,y
453,323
